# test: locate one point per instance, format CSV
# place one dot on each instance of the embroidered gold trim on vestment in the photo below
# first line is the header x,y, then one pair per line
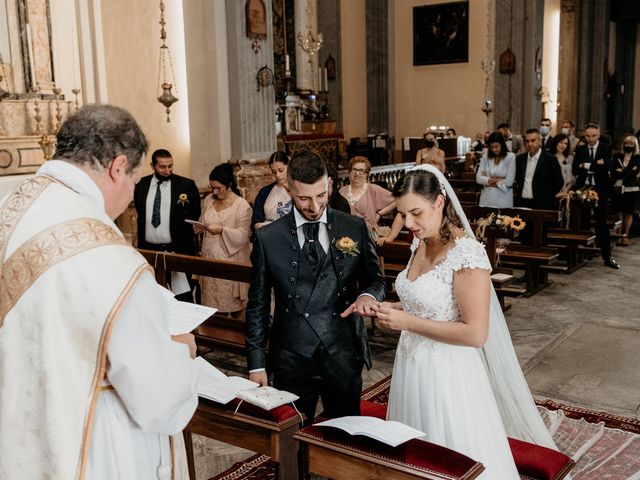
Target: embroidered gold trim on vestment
x,y
101,367
47,248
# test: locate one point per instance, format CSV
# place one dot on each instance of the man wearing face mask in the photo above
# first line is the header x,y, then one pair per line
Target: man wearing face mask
x,y
164,201
545,133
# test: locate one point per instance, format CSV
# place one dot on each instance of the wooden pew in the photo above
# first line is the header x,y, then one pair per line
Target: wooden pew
x,y
218,330
537,259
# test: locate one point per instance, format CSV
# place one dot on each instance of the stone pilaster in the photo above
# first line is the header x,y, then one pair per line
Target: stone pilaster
x,y
568,65
377,66
252,111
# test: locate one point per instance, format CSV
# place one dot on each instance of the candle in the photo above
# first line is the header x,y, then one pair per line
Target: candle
x,y
319,79
286,63
32,63
326,82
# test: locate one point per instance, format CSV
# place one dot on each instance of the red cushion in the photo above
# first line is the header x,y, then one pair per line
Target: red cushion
x,y
531,460
416,453
277,415
370,409
539,462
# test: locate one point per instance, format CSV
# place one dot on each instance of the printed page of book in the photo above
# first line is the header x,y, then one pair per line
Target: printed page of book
x,y
184,317
389,432
216,386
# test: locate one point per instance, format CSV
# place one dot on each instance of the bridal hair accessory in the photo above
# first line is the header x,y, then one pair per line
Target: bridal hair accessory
x,y
437,173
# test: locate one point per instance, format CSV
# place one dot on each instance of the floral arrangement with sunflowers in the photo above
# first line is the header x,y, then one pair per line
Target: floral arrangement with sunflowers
x,y
588,195
347,246
505,223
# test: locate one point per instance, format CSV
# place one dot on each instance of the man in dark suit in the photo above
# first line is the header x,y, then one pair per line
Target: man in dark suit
x,y
547,144
591,165
316,260
514,142
163,202
538,175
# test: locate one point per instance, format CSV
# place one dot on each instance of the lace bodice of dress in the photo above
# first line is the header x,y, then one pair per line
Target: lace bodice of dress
x,y
431,294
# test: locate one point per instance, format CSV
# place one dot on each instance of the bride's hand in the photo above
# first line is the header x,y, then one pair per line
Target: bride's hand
x,y
392,317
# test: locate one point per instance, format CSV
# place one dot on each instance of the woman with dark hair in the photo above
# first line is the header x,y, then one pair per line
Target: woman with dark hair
x,y
496,172
273,200
456,376
336,200
226,223
431,154
624,175
562,151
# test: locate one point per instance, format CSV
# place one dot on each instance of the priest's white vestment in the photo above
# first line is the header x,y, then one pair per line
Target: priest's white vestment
x,y
91,384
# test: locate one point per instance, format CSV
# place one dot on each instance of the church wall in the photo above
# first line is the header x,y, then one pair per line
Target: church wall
x,y
354,68
131,51
636,105
446,94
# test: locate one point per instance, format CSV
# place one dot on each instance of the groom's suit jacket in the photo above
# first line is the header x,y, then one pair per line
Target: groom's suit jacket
x,y
307,309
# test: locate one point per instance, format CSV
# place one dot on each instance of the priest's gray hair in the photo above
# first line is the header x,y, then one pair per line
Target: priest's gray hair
x,y
96,134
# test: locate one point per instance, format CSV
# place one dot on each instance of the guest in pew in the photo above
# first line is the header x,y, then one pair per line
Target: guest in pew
x,y
624,175
456,376
431,154
592,167
92,383
451,133
367,200
273,200
538,175
496,173
163,202
562,152
227,227
324,272
514,143
336,201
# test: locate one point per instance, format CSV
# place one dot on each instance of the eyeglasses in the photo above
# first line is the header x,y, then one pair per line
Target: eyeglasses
x,y
360,171
216,189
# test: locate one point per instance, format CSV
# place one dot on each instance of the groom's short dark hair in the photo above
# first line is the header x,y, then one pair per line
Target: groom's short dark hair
x,y
306,167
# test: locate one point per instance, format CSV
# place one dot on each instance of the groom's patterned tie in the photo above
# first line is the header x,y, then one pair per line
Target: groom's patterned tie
x,y
313,249
155,216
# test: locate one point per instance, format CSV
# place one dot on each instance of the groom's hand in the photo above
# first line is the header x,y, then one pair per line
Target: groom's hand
x,y
364,305
260,378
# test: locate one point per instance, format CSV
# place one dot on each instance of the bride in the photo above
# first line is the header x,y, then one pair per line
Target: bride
x,y
456,376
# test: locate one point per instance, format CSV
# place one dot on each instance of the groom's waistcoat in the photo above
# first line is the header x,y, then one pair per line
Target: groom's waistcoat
x,y
314,312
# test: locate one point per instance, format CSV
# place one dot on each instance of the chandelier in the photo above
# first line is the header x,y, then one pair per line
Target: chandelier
x,y
165,84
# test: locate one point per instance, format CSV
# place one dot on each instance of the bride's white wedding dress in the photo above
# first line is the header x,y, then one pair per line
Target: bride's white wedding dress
x,y
444,389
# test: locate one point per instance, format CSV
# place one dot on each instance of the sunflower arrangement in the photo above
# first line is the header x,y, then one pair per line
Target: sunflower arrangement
x,y
505,223
586,195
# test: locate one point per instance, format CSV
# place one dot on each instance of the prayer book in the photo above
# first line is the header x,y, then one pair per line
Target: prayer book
x,y
184,317
385,431
216,386
195,222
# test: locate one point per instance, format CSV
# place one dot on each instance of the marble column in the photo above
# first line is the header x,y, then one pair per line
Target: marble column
x,y
377,66
252,112
592,53
519,26
624,95
306,27
567,61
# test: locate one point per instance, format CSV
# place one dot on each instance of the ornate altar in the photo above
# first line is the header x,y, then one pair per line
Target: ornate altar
x,y
324,144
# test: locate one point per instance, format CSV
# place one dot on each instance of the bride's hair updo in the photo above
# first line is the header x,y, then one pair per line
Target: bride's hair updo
x,y
427,185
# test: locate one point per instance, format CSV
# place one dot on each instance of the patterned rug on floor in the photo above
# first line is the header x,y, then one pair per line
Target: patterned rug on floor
x,y
604,446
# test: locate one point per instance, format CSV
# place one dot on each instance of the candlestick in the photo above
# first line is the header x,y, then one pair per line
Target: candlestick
x,y
286,63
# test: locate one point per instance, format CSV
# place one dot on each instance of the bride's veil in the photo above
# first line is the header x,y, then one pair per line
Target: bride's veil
x,y
515,402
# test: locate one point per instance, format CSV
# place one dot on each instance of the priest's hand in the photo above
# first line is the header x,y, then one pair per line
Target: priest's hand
x,y
189,340
260,378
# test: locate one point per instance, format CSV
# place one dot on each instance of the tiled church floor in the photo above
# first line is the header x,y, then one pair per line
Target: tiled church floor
x,y
577,340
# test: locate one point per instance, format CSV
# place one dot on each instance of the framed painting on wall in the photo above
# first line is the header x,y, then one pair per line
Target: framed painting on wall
x,y
441,33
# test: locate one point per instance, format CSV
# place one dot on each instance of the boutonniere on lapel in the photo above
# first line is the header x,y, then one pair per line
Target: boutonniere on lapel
x,y
347,246
182,199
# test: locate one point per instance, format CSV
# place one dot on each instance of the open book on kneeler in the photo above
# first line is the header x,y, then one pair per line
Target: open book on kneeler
x,y
385,431
417,455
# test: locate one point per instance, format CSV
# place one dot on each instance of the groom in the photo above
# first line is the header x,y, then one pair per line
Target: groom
x,y
316,260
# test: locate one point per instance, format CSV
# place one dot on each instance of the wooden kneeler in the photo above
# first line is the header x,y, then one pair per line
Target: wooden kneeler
x,y
532,461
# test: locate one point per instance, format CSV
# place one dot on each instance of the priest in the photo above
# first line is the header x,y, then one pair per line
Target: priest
x,y
91,383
